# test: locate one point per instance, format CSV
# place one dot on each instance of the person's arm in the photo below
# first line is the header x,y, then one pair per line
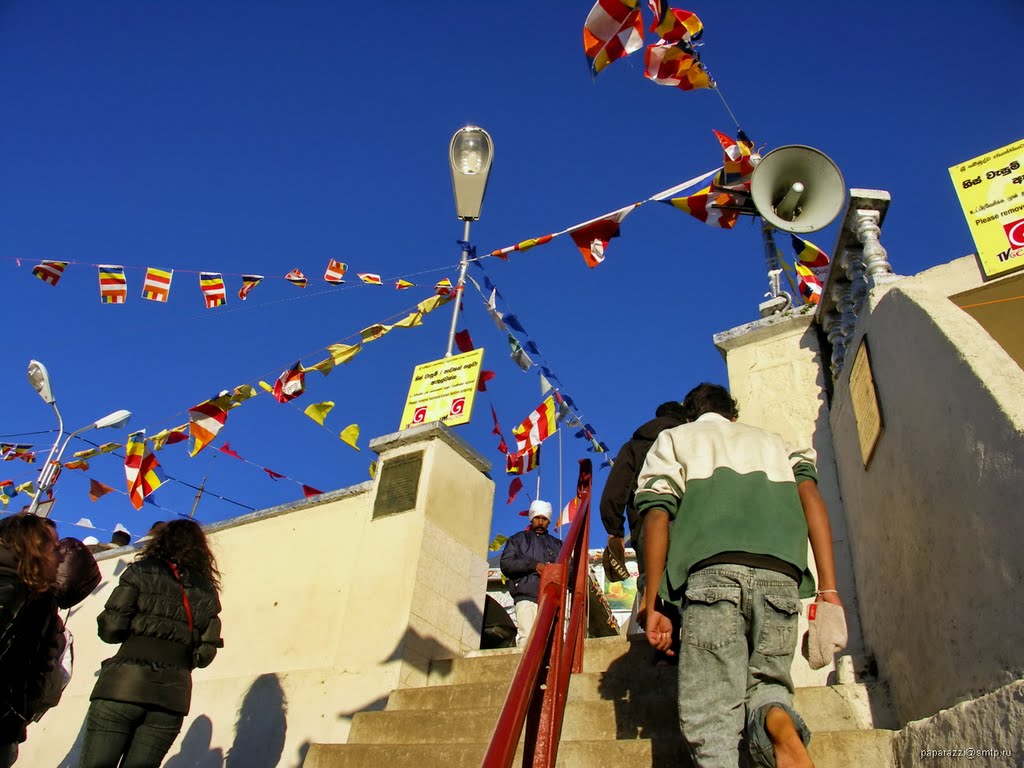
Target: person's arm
x,y
115,621
616,493
209,642
514,564
819,531
656,625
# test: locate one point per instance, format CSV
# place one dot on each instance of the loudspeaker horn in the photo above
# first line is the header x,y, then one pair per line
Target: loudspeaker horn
x,y
797,189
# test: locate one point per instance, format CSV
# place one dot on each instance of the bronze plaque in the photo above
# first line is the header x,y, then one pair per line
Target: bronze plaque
x,y
866,409
399,484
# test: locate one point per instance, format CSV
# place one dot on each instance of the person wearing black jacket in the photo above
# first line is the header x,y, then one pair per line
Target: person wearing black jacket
x,y
523,559
28,623
165,614
617,503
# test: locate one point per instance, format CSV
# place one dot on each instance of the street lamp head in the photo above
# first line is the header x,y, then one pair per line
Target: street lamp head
x,y
40,380
469,157
117,419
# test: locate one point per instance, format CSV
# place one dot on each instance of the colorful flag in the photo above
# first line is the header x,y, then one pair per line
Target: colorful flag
x,y
537,427
676,65
12,451
704,206
290,384
809,285
374,332
212,286
318,411
592,237
568,512
206,420
443,287
502,253
93,452
157,285
350,435
96,491
113,285
49,271
514,488
80,464
522,462
613,29
519,356
335,274
674,25
401,284
295,277
248,283
242,393
739,160
810,255
370,278
169,437
141,469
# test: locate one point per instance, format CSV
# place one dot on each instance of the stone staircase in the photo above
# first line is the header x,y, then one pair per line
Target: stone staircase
x,y
621,711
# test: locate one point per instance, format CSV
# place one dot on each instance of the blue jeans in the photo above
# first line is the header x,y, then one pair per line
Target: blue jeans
x,y
115,728
737,644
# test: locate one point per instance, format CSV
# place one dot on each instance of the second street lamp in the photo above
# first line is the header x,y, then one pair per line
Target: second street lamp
x,y
470,155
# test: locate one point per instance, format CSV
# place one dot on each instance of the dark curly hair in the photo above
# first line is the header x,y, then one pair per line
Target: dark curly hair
x,y
183,543
710,398
31,538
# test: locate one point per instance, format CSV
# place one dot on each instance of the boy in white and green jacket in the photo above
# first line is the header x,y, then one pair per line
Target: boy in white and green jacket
x,y
740,507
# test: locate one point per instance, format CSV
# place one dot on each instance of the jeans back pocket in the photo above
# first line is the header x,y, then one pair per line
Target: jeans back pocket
x,y
711,617
778,625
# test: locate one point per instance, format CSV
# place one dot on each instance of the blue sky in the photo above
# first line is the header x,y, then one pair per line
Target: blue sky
x,y
262,136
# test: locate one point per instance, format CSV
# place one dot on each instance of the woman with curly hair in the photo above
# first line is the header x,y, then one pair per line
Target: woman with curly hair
x,y
164,613
28,623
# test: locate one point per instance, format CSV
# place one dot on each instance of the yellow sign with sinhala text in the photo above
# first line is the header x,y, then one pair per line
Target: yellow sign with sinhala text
x,y
443,390
991,192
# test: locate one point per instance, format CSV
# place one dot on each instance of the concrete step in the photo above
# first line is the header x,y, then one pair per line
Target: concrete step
x,y
833,708
842,749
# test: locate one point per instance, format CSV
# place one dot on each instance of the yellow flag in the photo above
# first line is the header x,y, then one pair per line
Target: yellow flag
x,y
27,486
242,393
5,499
373,469
340,353
497,543
374,332
429,305
318,411
412,320
161,438
266,387
350,435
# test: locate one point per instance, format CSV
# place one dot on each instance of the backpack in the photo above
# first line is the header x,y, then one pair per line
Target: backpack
x,y
59,674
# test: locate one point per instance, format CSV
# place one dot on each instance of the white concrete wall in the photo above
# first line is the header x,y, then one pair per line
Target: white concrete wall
x,y
935,521
325,611
777,378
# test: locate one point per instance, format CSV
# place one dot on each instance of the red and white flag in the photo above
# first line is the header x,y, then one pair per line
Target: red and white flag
x,y
537,427
206,420
370,278
592,237
49,271
212,286
295,277
335,274
568,512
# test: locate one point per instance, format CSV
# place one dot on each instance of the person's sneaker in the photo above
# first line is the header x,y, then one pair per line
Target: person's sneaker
x,y
614,561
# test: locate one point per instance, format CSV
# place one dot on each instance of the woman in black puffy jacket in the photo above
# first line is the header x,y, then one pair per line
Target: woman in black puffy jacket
x,y
164,612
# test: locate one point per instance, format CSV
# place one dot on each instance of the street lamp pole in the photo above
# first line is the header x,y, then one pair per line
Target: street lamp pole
x,y
39,378
470,155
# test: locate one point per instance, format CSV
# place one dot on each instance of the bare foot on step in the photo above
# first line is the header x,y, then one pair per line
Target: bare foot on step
x,y
790,751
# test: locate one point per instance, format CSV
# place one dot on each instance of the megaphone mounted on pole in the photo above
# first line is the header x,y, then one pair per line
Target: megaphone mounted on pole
x,y
797,189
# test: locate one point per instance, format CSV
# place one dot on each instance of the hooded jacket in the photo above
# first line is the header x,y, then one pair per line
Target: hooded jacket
x,y
146,613
617,499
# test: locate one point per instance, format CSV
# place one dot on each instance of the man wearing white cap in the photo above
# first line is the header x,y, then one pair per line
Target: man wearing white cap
x,y
523,559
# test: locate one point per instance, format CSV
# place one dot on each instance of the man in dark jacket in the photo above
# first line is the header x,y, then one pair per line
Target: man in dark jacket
x,y
523,559
617,504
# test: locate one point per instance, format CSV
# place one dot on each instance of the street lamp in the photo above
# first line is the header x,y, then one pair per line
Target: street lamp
x,y
470,155
39,378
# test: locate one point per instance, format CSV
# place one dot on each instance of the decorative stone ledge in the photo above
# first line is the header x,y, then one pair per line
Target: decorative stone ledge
x,y
433,430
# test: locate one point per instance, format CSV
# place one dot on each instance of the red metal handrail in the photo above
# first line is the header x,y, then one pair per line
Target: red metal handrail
x,y
554,649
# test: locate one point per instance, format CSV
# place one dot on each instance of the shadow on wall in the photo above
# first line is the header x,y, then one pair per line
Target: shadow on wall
x,y
196,750
261,726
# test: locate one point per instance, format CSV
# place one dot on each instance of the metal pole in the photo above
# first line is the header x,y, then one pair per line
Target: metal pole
x,y
463,264
43,474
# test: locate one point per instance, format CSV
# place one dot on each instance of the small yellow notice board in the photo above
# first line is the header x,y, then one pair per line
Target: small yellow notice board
x,y
991,192
443,390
